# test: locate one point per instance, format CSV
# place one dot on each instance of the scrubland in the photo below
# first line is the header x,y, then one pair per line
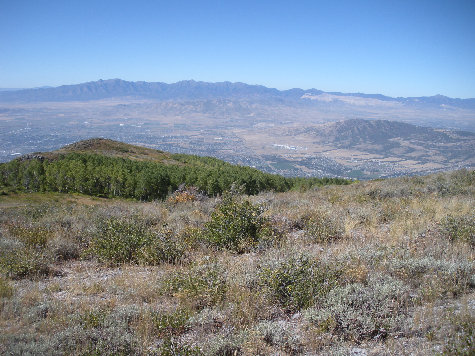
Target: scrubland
x,y
373,268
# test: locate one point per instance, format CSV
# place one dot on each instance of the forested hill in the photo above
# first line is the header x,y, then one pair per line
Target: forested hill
x,y
107,168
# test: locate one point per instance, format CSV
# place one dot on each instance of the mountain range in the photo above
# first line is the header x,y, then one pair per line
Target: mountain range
x,y
290,132
193,90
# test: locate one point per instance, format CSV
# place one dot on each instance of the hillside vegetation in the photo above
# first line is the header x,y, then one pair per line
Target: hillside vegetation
x,y
109,168
372,268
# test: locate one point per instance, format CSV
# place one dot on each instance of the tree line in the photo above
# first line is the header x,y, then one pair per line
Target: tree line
x,y
104,176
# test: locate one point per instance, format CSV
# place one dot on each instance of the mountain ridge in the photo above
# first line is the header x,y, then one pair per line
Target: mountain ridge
x,y
199,90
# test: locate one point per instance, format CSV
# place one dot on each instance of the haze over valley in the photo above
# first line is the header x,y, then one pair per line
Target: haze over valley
x,y
292,132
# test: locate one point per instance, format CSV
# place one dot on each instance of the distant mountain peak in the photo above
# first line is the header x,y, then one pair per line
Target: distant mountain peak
x,y
199,90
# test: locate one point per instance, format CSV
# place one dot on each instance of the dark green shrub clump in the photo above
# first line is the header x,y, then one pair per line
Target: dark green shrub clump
x,y
298,282
123,241
235,225
119,241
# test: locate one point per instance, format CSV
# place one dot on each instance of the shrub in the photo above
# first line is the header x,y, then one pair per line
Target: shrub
x,y
25,262
298,282
203,284
31,236
321,228
460,228
64,250
435,278
110,340
6,291
94,318
358,311
163,246
119,240
185,194
461,342
225,344
235,225
98,331
281,334
27,258
173,324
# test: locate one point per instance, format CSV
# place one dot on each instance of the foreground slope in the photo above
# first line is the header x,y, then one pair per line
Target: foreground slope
x,y
380,267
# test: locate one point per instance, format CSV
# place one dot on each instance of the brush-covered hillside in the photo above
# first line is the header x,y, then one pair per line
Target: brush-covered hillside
x,y
381,267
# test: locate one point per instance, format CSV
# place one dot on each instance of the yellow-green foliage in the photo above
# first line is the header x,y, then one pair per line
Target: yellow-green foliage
x,y
120,240
201,285
235,225
131,241
321,228
31,236
172,324
25,262
6,290
298,282
461,342
461,228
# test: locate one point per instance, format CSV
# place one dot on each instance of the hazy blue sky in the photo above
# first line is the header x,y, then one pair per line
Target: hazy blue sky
x,y
398,48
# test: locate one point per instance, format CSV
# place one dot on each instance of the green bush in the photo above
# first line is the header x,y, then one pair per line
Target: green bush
x,y
461,342
235,225
25,253
298,282
203,284
172,324
25,262
460,228
31,236
6,291
163,246
119,241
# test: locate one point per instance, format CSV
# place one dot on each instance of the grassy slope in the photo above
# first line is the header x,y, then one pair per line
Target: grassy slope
x,y
113,148
401,250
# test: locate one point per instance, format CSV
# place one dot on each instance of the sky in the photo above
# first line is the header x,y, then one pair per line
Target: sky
x,y
396,48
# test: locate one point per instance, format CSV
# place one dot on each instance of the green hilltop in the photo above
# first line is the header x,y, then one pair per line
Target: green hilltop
x,y
107,168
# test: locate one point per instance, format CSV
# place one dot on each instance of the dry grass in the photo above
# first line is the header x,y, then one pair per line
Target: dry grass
x,y
390,263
